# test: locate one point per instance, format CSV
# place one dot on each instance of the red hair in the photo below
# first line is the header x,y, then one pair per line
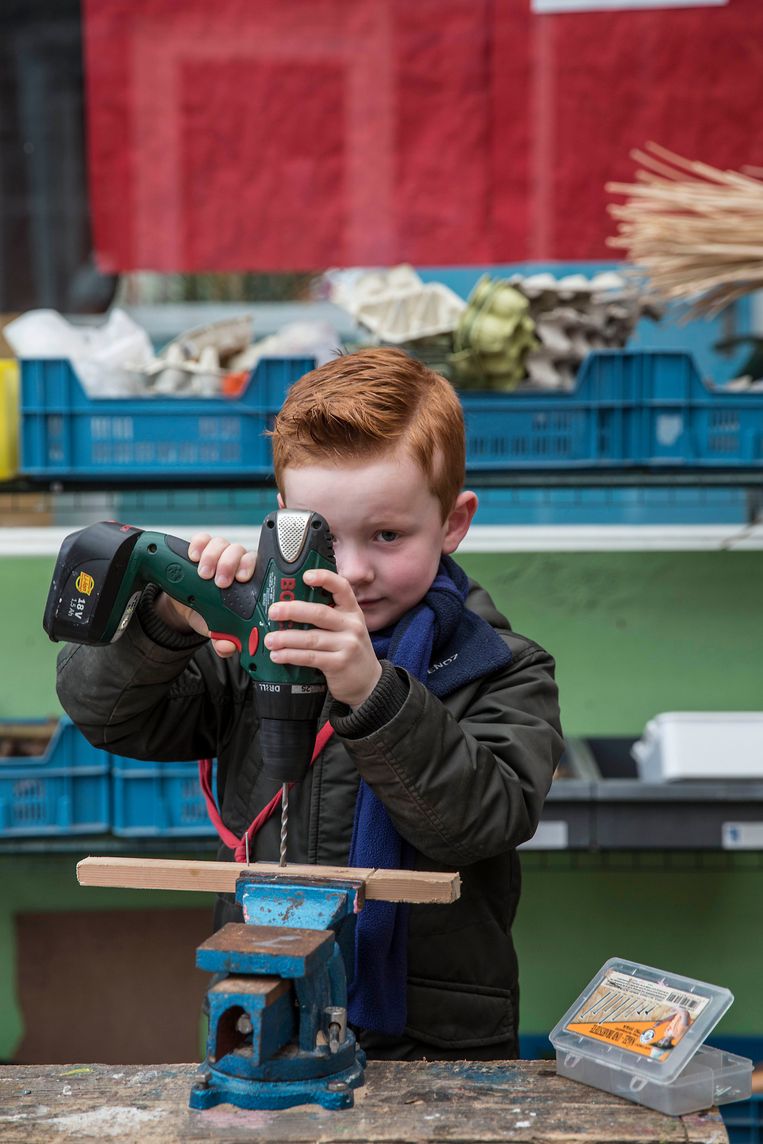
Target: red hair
x,y
358,406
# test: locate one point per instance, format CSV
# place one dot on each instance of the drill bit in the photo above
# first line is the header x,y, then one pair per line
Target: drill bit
x,y
284,822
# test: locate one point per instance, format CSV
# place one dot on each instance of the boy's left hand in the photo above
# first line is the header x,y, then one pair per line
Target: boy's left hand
x,y
337,643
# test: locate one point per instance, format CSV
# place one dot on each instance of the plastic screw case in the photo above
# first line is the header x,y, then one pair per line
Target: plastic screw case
x,y
637,1032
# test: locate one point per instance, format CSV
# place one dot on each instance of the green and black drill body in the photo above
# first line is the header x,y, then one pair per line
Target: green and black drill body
x,y
103,570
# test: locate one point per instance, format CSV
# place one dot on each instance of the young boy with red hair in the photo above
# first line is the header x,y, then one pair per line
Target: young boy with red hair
x,y
445,721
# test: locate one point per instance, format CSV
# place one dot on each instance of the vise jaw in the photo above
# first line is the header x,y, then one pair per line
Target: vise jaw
x,y
278,1031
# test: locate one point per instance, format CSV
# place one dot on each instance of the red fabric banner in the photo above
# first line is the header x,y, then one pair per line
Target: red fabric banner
x,y
301,134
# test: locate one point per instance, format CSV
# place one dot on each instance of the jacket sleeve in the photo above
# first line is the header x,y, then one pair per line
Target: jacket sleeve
x,y
143,700
466,778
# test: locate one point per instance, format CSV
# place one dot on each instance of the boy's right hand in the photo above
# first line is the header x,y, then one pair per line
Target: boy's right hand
x,y
220,560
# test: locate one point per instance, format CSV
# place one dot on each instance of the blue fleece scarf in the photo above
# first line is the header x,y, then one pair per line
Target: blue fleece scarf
x,y
443,644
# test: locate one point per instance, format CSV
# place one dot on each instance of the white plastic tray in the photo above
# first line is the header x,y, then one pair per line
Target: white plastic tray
x,y
701,745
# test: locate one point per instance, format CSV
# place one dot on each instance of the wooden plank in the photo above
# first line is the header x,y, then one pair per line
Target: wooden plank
x,y
220,877
413,886
473,1102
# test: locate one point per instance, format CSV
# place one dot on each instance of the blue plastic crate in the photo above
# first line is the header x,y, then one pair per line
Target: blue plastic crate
x,y
67,433
646,408
64,791
744,1120
628,408
158,799
685,422
593,425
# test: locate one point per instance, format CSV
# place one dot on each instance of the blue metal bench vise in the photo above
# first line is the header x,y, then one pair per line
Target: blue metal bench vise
x,y
278,1031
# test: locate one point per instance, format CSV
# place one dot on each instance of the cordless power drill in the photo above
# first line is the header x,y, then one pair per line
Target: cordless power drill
x,y
102,571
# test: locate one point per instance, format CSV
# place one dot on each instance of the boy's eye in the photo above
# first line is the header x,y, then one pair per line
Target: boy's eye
x,y
387,535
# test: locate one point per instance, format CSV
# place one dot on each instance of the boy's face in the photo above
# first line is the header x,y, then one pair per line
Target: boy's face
x,y
387,526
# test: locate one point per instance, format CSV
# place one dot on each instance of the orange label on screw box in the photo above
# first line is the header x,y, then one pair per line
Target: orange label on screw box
x,y
645,1017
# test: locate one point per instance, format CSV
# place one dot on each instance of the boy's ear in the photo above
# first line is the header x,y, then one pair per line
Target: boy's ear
x,y
281,501
457,524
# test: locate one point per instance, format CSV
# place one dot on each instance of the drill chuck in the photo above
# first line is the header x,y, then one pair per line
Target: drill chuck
x,y
287,748
288,714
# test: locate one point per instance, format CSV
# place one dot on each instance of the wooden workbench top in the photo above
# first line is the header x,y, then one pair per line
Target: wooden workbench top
x,y
518,1101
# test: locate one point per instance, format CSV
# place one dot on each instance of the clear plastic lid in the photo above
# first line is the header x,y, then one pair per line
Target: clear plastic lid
x,y
640,1019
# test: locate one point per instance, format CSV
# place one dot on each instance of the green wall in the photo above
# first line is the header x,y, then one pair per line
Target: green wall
x,y
698,914
637,633
29,672
633,634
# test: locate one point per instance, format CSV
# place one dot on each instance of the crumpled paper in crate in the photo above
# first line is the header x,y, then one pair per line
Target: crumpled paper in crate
x,y
116,358
107,358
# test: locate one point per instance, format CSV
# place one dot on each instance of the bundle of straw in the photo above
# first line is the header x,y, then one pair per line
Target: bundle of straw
x,y
693,230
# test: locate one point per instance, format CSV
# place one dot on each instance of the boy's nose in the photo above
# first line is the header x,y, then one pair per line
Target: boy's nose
x,y
353,564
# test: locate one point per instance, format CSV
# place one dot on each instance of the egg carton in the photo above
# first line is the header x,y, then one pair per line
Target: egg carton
x,y
226,337
395,305
424,311
493,338
191,365
575,316
352,289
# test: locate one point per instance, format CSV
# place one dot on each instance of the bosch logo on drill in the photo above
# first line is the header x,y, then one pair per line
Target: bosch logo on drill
x,y
288,584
